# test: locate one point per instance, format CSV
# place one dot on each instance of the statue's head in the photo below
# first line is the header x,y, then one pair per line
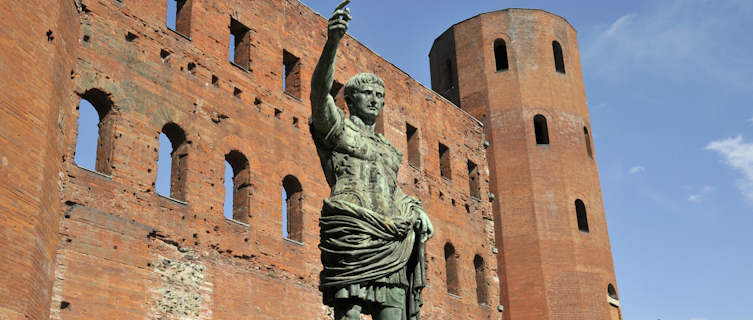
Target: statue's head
x,y
364,94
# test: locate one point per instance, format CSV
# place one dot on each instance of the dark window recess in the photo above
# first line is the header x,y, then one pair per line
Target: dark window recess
x,y
559,59
588,142
96,119
500,55
541,129
612,292
445,171
338,95
179,16
292,209
481,285
580,211
291,82
451,268
413,141
239,191
450,80
240,45
178,161
473,180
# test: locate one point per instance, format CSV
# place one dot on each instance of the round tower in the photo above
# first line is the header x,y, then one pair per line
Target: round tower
x,y
518,71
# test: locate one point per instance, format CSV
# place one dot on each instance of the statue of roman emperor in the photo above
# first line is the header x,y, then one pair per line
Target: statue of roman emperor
x,y
372,234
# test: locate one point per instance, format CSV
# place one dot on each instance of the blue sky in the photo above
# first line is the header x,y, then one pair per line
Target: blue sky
x,y
670,91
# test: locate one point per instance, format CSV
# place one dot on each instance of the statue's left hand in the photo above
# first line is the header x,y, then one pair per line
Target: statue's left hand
x,y
426,228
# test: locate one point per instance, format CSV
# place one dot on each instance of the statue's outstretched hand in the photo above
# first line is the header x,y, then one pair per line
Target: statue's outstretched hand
x,y
338,23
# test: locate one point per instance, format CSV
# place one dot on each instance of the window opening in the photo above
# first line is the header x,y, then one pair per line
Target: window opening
x,y
291,70
451,264
179,16
473,180
95,139
580,210
614,302
412,138
612,292
445,171
292,209
237,187
172,163
500,55
481,285
559,59
240,45
542,131
588,142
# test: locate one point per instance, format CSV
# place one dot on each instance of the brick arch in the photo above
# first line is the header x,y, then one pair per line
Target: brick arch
x,y
245,178
496,38
293,201
452,279
179,166
552,122
109,101
95,80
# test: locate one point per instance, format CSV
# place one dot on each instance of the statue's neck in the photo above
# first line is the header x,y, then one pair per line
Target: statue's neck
x,y
361,124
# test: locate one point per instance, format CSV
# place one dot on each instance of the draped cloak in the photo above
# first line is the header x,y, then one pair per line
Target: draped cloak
x,y
369,243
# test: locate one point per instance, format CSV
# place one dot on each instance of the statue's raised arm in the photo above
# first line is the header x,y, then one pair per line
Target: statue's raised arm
x,y
324,113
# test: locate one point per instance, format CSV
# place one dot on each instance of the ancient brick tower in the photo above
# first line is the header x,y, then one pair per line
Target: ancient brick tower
x,y
519,72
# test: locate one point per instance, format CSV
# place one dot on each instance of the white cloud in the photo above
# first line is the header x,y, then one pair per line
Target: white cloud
x,y
701,195
737,154
637,169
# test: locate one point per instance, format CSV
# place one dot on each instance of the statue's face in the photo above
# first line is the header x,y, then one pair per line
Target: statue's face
x,y
367,102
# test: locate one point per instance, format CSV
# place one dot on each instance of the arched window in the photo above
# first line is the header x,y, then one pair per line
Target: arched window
x,y
451,265
500,55
588,142
542,131
94,143
580,211
559,59
481,286
237,187
292,209
612,292
614,302
172,163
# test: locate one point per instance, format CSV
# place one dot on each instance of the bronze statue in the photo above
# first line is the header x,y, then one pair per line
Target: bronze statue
x,y
372,234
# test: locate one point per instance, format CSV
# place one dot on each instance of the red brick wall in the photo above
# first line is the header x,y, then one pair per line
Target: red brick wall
x,y
548,268
38,52
121,250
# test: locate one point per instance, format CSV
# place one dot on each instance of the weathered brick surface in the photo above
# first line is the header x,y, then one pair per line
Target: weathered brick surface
x,y
82,245
548,268
77,244
37,46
